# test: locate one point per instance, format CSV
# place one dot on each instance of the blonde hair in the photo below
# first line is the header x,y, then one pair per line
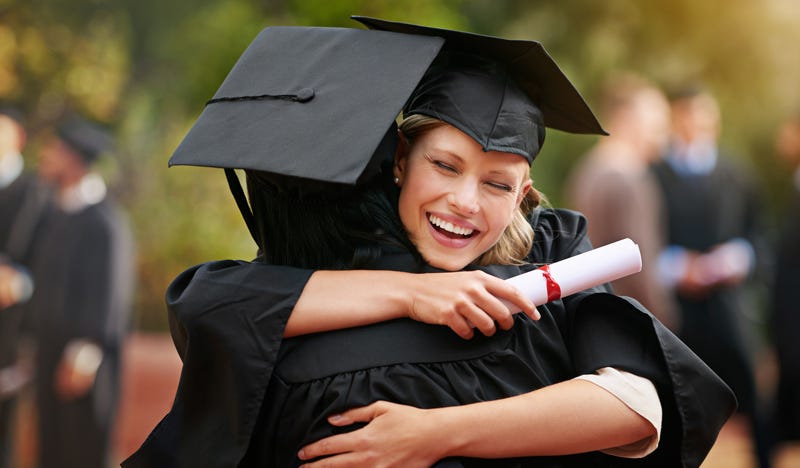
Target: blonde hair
x,y
517,239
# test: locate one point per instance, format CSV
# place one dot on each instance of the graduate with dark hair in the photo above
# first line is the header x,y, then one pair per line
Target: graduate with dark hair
x,y
714,248
83,269
317,130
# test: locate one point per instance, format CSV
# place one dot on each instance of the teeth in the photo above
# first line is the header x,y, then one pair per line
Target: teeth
x,y
449,227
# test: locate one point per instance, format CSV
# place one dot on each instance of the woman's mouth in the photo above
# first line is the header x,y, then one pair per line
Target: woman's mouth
x,y
449,229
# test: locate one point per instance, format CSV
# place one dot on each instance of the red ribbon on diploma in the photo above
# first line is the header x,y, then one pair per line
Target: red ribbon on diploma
x,y
553,289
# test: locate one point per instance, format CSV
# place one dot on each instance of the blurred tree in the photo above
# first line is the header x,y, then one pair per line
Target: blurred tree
x,y
149,66
737,48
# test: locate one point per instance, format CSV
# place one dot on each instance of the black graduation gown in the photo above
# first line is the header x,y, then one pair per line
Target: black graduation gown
x,y
246,399
703,211
786,322
83,269
22,204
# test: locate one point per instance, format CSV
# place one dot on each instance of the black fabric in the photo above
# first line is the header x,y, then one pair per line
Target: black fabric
x,y
531,67
785,322
360,81
227,320
84,283
232,409
479,97
22,204
705,210
22,208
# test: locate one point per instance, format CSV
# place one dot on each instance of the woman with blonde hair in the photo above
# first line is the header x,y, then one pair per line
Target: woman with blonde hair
x,y
583,381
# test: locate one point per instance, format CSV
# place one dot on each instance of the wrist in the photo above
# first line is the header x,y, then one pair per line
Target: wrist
x,y
401,288
448,437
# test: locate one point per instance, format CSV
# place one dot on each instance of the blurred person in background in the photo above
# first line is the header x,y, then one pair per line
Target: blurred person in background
x,y
83,269
22,202
613,187
713,213
786,291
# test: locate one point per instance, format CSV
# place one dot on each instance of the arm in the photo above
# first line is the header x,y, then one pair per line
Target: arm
x,y
90,295
569,417
457,299
341,299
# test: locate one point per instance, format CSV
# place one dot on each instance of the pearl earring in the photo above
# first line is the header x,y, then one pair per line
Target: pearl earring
x,y
397,181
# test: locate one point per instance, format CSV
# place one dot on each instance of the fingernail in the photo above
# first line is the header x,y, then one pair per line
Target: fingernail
x,y
536,314
335,417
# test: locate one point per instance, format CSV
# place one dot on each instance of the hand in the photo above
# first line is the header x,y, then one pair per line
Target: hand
x,y
731,263
466,300
14,378
77,370
697,281
71,383
9,286
725,265
395,436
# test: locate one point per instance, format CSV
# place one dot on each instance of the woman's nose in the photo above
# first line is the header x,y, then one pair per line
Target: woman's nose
x,y
463,199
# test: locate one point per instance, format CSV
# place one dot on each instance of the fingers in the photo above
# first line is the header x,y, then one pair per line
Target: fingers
x,y
501,296
462,327
360,414
484,305
341,443
329,446
504,291
465,301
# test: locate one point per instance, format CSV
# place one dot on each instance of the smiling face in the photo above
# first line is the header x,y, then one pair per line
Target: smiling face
x,y
456,200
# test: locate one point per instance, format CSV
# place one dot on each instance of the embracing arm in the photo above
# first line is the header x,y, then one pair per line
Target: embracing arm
x,y
461,300
569,417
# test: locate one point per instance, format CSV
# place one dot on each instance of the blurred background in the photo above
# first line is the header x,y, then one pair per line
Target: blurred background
x,y
147,67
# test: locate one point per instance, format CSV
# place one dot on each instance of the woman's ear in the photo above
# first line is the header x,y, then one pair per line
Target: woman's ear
x,y
523,190
400,157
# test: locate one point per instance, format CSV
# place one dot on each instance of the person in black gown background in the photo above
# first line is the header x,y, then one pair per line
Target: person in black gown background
x,y
23,201
83,269
786,289
228,321
714,247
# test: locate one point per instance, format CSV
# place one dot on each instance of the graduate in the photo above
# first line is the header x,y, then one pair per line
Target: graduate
x,y
83,270
23,201
316,131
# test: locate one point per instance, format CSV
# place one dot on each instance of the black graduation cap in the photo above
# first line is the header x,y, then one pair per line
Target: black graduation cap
x,y
501,92
309,108
309,102
88,139
319,104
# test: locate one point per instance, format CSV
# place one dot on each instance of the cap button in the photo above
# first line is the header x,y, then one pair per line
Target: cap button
x,y
305,95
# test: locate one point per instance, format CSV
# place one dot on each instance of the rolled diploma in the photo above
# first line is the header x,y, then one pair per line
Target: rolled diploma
x,y
583,271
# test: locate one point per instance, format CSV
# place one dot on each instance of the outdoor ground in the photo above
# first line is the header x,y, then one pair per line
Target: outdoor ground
x,y
151,375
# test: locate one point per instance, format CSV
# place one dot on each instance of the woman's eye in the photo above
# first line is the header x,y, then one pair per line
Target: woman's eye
x,y
445,166
500,186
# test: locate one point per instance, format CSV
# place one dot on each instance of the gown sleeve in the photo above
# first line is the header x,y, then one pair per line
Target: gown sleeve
x,y
227,320
606,330
616,331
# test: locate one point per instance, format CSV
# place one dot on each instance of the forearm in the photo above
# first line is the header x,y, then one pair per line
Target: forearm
x,y
570,417
463,301
334,300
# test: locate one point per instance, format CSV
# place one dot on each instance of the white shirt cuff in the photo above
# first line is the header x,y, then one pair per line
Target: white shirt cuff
x,y
640,395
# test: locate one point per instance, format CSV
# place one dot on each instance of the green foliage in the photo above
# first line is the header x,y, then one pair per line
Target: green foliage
x,y
148,66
